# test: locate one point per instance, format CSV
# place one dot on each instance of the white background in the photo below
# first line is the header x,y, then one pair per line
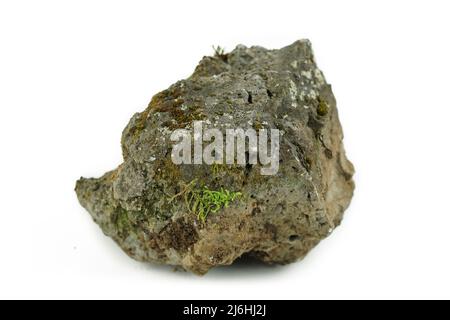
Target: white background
x,y
72,73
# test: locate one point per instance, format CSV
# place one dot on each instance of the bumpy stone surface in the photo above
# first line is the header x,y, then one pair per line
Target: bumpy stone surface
x,y
279,218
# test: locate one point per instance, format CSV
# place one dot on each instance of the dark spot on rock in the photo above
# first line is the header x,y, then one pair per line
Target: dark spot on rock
x,y
180,235
328,152
248,166
256,211
250,97
304,160
315,125
272,230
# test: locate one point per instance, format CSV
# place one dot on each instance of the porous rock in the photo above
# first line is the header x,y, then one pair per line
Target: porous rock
x,y
277,219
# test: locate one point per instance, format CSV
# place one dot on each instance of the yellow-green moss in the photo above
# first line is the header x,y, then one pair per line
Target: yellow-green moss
x,y
257,125
322,108
221,169
123,222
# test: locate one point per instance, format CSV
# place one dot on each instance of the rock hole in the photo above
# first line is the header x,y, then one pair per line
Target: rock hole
x,y
256,211
250,97
269,93
248,166
294,238
247,157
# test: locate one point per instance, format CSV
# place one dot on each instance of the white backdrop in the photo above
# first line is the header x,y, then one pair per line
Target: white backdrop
x,y
72,73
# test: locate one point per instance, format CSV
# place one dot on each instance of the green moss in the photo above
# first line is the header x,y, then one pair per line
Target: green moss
x,y
204,201
217,168
123,222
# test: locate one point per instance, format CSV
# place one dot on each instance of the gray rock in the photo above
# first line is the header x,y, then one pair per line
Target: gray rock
x,y
145,204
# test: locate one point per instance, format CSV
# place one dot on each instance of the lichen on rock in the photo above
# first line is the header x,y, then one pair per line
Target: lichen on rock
x,y
147,204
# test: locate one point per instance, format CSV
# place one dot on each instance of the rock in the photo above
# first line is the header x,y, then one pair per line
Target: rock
x,y
150,206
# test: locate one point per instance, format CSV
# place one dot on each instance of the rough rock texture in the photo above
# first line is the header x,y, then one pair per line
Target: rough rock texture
x,y
278,219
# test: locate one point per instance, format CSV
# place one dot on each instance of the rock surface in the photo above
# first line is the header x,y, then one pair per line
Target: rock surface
x,y
277,219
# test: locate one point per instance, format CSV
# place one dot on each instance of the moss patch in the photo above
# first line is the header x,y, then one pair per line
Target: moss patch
x,y
204,201
170,101
322,108
122,222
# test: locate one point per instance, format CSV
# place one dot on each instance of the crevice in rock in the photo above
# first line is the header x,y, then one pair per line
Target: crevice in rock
x,y
250,97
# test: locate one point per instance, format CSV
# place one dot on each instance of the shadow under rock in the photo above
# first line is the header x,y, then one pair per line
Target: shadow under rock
x,y
244,267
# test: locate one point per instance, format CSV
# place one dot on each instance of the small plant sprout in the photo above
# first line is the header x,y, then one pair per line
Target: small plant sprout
x,y
219,52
